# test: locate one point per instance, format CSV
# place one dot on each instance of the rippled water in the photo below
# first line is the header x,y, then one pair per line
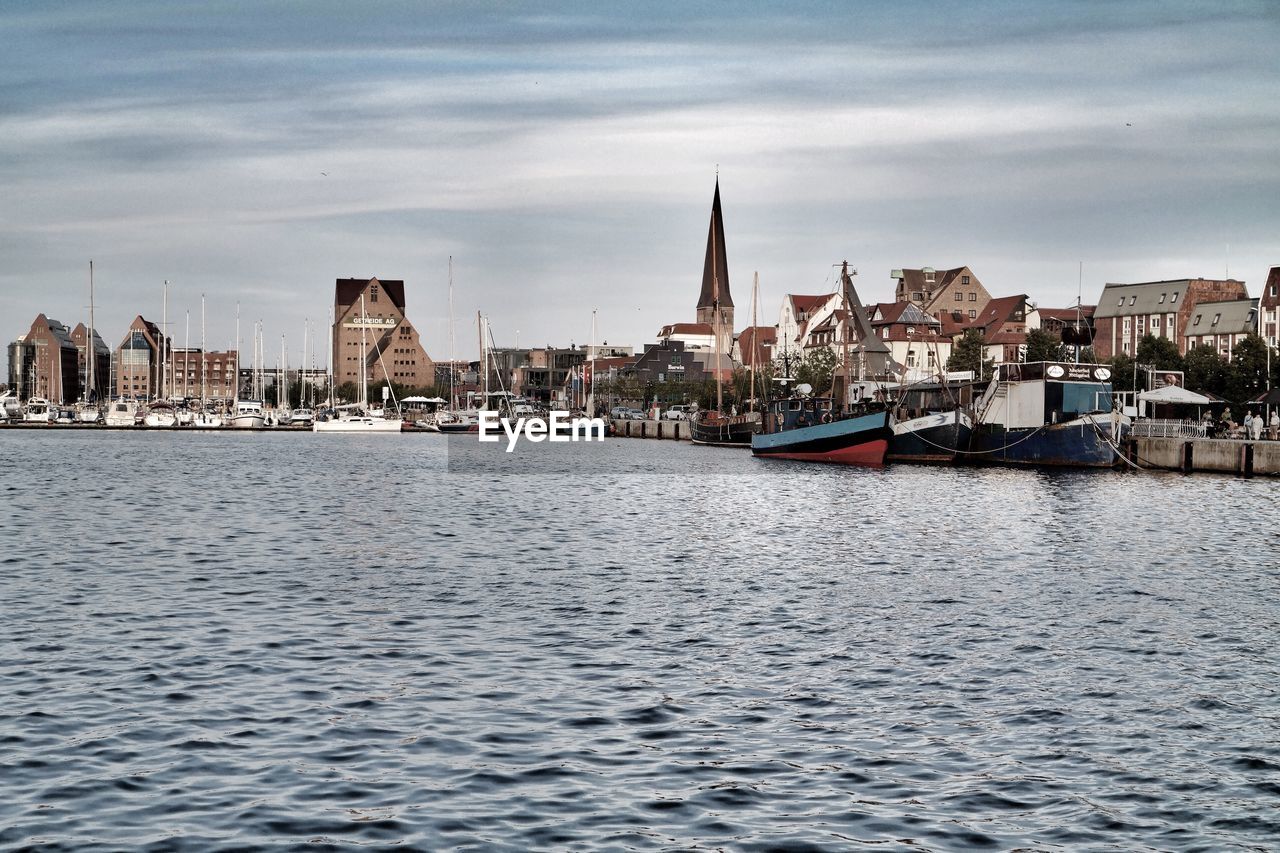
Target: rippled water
x,y
230,641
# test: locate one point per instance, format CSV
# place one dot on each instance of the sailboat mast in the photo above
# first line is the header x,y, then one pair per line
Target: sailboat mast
x,y
364,366
204,360
164,342
755,331
484,361
302,369
283,397
591,395
453,356
91,352
848,327
186,358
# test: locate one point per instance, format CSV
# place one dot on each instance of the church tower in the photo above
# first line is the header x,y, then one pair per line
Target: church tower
x,y
715,303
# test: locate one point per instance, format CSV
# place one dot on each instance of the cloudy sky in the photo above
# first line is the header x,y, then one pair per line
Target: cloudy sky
x,y
565,155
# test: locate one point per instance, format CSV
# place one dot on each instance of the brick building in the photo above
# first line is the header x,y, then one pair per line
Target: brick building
x,y
214,372
391,346
956,292
1128,312
1269,320
44,363
99,377
138,360
1221,325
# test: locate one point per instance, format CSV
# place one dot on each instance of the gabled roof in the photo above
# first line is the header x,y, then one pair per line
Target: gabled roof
x,y
348,290
1126,300
1273,281
759,339
999,310
803,304
900,312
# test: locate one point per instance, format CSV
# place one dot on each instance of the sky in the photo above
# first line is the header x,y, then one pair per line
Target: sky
x,y
564,154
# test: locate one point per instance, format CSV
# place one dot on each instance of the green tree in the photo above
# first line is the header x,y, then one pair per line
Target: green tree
x,y
1043,346
1247,377
968,353
816,369
1122,366
1160,353
1206,371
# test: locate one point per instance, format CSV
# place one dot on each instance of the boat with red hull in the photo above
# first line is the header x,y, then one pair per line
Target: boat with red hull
x,y
809,430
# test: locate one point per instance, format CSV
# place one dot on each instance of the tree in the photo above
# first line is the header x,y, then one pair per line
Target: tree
x,y
1122,365
816,369
1043,346
1247,377
969,353
1205,370
1160,353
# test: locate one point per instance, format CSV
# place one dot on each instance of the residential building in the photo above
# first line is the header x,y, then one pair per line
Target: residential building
x,y
915,340
794,316
99,377
1073,325
954,291
1004,324
1221,325
1128,312
138,360
369,318
755,345
212,374
44,363
692,335
1269,317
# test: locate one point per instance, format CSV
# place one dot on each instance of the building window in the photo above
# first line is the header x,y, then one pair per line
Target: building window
x,y
917,296
1126,325
1133,300
1174,300
373,293
1120,303
1155,322
964,280
1216,318
1196,321
973,315
1125,347
959,296
1162,296
973,297
911,358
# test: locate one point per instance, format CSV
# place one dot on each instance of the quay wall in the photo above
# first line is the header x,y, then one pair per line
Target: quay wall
x,y
1213,455
664,429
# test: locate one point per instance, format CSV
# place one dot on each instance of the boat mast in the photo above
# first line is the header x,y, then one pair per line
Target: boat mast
x,y
453,357
364,365
591,395
302,370
484,360
329,356
282,399
91,352
848,327
186,358
237,388
755,332
204,360
164,332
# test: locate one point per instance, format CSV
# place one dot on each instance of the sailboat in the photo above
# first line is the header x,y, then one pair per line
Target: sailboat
x,y
206,418
355,417
822,429
245,414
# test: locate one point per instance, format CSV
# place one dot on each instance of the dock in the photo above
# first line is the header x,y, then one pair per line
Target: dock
x,y
1240,457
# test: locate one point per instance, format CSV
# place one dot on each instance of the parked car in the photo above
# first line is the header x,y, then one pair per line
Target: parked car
x,y
620,413
679,413
635,414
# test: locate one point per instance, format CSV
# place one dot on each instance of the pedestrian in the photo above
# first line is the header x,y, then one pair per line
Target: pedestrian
x,y
1248,424
1273,426
1255,428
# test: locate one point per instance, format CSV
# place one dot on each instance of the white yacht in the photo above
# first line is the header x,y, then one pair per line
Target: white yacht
x,y
302,418
248,415
161,414
37,411
121,413
10,408
354,418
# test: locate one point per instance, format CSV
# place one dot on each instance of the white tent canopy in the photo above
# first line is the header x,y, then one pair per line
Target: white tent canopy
x,y
1174,394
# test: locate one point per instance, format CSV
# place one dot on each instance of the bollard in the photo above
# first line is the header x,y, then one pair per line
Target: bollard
x,y
1188,457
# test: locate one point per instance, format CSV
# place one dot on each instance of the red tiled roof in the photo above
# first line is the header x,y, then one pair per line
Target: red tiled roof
x,y
685,329
998,310
804,304
1066,315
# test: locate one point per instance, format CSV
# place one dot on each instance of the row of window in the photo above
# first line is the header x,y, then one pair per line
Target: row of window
x,y
1133,300
973,296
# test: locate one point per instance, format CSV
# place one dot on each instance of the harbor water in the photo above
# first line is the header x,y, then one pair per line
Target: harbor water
x,y
251,641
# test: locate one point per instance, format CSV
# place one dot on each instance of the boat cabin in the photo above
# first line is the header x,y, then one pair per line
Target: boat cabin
x,y
1045,392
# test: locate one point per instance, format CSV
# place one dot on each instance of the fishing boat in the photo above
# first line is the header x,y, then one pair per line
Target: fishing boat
x,y
932,421
1048,414
834,430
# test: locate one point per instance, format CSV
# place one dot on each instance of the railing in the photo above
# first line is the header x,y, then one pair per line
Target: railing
x,y
1168,428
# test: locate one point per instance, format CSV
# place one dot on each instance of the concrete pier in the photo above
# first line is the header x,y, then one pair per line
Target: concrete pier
x,y
665,430
1215,455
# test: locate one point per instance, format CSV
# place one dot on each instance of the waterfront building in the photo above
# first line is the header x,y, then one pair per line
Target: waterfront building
x,y
44,363
692,335
667,361
956,292
1004,324
218,369
794,316
915,339
101,354
1126,313
392,349
138,360
755,345
1221,325
1269,316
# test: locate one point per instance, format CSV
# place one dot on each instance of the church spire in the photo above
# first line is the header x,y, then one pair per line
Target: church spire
x,y
715,270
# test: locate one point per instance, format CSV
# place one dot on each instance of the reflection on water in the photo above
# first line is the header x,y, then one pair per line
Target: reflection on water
x,y
237,640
